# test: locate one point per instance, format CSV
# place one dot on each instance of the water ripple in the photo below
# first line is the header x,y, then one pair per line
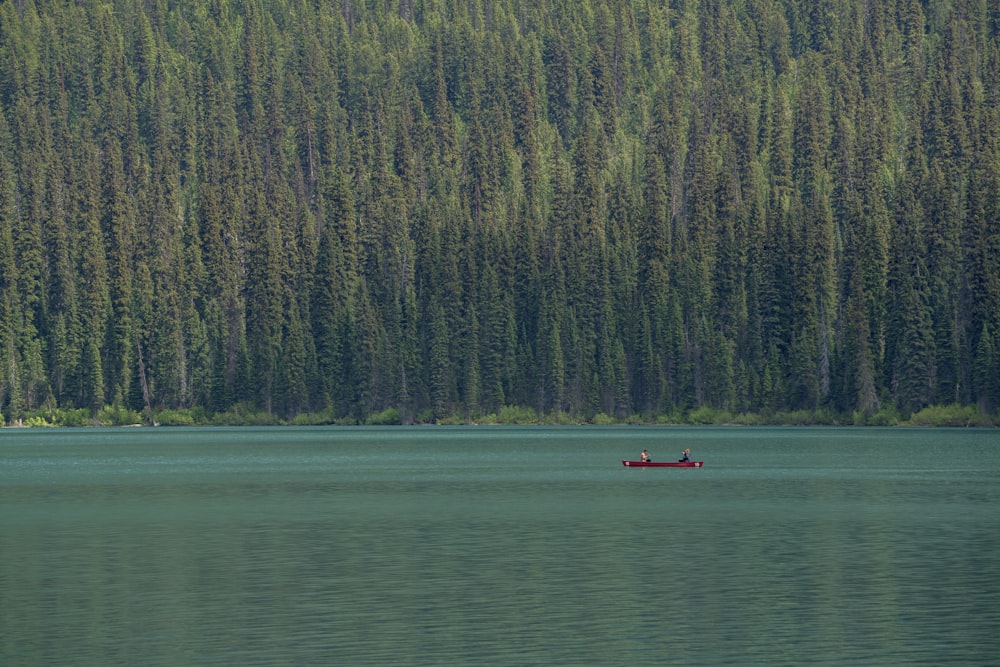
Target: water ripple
x,y
305,553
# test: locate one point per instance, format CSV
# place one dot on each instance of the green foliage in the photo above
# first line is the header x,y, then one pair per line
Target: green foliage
x,y
950,415
50,416
80,417
458,420
884,417
244,414
387,417
117,416
803,418
708,415
514,414
674,417
624,212
749,419
314,418
175,418
557,418
424,417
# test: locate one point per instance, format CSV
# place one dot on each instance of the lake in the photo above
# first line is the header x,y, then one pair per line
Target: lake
x,y
499,546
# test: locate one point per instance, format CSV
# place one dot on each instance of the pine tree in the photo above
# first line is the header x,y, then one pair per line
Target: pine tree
x,y
10,390
450,207
95,298
118,227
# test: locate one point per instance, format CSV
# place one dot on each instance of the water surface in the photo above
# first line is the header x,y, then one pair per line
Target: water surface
x,y
498,546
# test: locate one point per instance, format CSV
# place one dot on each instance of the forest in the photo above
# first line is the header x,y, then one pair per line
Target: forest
x,y
445,211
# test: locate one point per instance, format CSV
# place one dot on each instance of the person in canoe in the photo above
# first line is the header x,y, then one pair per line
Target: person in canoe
x,y
685,456
644,457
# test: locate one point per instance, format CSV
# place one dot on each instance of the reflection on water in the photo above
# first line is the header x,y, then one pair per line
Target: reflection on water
x,y
498,546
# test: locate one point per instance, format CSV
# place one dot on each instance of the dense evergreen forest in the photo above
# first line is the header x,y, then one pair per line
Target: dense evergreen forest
x,y
444,209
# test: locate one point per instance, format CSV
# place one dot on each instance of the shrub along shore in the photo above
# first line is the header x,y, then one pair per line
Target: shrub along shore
x,y
931,416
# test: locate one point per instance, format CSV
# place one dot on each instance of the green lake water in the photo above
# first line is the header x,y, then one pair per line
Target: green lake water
x,y
499,546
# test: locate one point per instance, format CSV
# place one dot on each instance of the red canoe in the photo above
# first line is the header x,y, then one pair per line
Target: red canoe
x,y
663,464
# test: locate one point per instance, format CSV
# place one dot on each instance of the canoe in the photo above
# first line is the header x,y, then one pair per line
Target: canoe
x,y
663,464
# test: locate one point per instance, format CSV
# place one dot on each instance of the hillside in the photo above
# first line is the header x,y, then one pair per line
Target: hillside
x,y
597,208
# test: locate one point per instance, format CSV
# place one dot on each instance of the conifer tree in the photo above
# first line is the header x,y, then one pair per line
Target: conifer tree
x,y
446,208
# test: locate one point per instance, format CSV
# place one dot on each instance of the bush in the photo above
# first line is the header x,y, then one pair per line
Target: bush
x,y
243,414
174,418
314,418
50,416
671,418
117,416
515,414
457,420
601,419
707,415
887,416
749,419
557,418
79,417
804,418
388,417
949,415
